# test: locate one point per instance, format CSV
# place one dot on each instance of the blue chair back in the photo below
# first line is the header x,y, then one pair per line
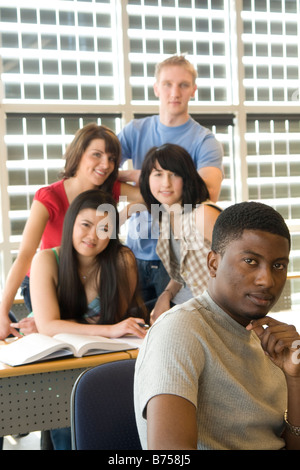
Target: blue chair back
x,y
102,409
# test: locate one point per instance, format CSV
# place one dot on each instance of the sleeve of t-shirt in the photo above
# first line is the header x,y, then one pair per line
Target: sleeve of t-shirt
x,y
125,138
209,153
49,199
170,360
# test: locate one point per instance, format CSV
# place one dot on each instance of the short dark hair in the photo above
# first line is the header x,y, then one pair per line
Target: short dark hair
x,y
176,159
250,215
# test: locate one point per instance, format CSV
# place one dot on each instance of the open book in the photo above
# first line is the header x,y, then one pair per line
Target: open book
x,y
37,347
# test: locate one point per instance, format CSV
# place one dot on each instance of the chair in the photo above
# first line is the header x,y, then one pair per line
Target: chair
x,y
102,410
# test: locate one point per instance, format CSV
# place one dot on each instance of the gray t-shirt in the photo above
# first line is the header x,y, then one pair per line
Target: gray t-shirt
x,y
198,352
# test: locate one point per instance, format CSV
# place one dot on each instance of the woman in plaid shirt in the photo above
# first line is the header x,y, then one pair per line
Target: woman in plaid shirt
x,y
175,193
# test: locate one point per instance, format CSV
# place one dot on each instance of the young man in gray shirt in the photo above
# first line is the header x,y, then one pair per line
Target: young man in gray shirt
x,y
215,372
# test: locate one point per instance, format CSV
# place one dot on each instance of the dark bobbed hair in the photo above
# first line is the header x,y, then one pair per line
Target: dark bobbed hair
x,y
176,159
249,215
82,140
111,262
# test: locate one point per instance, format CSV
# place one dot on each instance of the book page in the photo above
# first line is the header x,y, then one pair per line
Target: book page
x,y
32,348
85,343
132,341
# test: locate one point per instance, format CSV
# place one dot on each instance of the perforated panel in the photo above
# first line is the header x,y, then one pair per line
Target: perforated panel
x,y
36,402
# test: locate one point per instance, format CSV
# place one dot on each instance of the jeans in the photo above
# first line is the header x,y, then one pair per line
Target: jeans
x,y
61,439
26,293
153,279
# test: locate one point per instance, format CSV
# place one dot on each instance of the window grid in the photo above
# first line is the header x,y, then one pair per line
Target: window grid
x,y
57,53
271,48
224,134
157,31
274,163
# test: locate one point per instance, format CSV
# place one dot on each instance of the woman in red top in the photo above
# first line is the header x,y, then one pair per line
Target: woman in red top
x,y
92,161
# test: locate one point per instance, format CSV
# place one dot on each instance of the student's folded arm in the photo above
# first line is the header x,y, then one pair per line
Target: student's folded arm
x,y
171,423
206,217
213,178
132,193
129,176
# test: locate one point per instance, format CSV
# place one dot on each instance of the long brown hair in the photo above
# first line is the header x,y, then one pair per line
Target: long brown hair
x,y
113,289
79,144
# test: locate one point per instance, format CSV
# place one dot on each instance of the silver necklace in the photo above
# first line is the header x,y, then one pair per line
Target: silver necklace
x,y
85,276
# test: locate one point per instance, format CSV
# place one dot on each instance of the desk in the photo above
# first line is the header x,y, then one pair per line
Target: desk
x,y
36,397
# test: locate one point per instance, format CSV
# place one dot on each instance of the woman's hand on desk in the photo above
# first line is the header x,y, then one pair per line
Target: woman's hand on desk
x,y
7,328
26,326
130,326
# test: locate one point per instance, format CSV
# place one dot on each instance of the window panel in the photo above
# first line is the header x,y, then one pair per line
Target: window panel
x,y
158,30
70,34
274,164
270,51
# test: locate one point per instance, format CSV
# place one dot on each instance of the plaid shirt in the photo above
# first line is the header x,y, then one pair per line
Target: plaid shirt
x,y
193,251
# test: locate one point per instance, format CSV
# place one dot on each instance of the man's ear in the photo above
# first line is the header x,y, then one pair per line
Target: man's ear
x,y
193,93
213,259
155,88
